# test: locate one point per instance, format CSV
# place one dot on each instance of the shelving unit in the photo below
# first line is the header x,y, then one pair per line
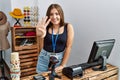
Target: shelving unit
x,y
24,41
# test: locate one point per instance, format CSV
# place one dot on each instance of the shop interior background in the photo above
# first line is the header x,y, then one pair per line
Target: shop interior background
x,y
92,20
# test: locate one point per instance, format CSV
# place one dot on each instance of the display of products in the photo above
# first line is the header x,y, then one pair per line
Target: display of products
x,y
15,66
30,16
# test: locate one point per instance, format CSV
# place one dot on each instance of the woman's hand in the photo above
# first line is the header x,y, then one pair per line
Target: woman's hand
x,y
59,68
41,26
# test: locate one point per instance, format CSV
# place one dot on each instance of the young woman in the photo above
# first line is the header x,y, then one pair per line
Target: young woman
x,y
57,38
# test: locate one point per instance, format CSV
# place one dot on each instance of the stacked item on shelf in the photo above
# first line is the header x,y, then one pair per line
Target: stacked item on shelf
x,y
30,16
34,15
15,66
27,21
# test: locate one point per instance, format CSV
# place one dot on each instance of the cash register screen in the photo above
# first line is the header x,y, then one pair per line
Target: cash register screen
x,y
101,48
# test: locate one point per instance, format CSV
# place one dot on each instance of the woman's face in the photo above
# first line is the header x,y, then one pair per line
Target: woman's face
x,y
55,17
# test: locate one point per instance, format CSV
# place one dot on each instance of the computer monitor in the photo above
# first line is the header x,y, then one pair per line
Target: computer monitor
x,y
100,52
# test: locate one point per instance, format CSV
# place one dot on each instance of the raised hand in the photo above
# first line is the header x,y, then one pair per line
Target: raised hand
x,y
41,26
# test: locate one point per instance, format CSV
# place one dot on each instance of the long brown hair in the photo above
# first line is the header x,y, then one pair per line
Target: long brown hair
x,y
60,11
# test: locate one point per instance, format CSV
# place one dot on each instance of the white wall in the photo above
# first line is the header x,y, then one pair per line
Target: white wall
x,y
92,20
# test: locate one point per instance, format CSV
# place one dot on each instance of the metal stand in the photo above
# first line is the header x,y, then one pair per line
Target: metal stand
x,y
3,77
102,67
17,22
53,74
52,63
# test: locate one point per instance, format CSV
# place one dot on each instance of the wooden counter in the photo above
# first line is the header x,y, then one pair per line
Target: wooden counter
x,y
110,74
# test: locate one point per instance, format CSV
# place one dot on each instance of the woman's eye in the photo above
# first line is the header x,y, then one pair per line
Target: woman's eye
x,y
56,13
51,14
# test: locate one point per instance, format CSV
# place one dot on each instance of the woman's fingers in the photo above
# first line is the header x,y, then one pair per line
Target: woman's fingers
x,y
47,22
59,68
43,22
39,23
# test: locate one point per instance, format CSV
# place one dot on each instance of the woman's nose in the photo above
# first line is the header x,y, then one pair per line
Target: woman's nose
x,y
54,16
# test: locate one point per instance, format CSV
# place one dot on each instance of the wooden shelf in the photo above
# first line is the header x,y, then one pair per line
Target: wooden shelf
x,y
16,37
27,46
